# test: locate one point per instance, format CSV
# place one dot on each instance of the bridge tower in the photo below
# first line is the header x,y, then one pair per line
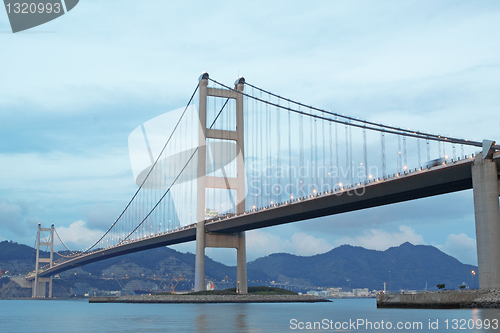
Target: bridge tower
x,y
487,214
39,284
203,238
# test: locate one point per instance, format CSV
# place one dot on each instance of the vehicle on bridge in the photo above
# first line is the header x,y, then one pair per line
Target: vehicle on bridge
x,y
436,162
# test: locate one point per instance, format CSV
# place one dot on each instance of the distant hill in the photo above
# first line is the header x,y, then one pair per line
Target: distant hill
x,y
162,261
410,266
13,251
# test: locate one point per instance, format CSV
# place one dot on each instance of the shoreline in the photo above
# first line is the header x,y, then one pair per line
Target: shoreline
x,y
179,298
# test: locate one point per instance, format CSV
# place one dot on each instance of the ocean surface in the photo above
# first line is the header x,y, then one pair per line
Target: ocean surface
x,y
342,315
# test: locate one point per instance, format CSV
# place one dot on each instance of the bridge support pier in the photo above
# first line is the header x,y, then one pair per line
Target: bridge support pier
x,y
487,216
236,241
204,239
241,264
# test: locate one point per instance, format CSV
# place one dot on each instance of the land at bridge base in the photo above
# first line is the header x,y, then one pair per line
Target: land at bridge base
x,y
448,299
179,298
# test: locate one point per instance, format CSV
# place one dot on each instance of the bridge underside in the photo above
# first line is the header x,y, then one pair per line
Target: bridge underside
x,y
415,185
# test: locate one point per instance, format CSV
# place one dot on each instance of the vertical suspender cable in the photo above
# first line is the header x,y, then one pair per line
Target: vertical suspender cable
x,y
351,161
382,139
428,150
330,144
289,154
261,150
399,154
301,153
337,154
255,131
278,155
315,169
365,153
347,167
324,156
269,146
311,181
418,149
405,156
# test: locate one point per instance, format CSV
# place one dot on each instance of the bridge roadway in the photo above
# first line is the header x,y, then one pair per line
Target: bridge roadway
x,y
437,180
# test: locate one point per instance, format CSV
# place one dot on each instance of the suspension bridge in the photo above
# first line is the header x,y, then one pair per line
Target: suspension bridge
x,y
241,158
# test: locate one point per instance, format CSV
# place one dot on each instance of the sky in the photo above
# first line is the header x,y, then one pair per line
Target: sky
x,y
72,90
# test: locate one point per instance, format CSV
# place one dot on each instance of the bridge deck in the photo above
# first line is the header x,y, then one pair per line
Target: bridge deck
x,y
414,185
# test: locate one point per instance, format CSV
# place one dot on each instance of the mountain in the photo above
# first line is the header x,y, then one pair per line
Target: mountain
x,y
410,267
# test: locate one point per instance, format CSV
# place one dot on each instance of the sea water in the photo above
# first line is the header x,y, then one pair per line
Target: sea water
x,y
341,315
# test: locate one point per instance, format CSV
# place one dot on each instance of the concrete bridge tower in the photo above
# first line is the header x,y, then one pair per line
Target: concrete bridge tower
x,y
485,184
39,284
204,239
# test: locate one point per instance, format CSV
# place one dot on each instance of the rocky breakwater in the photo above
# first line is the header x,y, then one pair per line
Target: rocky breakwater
x,y
180,298
490,299
447,299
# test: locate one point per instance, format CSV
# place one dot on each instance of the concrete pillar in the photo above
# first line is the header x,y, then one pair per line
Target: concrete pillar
x,y
241,257
51,263
39,284
39,287
199,270
241,266
220,240
34,289
487,215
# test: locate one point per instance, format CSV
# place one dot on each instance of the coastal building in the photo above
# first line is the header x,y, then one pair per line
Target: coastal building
x,y
361,292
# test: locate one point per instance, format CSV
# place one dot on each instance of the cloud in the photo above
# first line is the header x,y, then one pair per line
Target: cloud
x,y
10,216
78,235
461,247
63,187
15,220
261,243
307,245
101,215
378,239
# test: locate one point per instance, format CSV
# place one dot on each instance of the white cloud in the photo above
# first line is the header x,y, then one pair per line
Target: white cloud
x,y
78,235
61,186
461,247
15,220
378,239
101,215
261,243
10,216
307,245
